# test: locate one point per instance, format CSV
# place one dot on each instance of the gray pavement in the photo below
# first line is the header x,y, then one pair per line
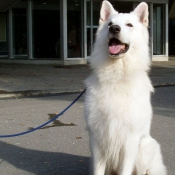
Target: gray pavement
x,y
30,80
62,147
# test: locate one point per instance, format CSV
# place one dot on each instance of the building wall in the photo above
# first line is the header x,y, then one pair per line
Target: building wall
x,y
64,31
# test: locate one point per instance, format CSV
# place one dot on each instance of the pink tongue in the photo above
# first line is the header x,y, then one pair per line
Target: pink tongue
x,y
115,49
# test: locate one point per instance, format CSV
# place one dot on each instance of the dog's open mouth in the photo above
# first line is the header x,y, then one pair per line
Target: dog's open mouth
x,y
116,47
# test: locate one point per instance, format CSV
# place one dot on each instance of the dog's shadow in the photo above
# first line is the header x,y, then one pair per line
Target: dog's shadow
x,y
42,163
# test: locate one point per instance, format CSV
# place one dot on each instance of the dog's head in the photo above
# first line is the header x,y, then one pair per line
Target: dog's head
x,y
123,33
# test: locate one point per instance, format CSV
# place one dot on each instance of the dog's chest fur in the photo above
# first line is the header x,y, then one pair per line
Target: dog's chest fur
x,y
115,98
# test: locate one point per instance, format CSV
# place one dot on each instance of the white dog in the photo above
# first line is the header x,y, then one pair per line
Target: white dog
x,y
118,111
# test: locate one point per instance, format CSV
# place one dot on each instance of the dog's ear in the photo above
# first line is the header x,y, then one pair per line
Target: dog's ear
x,y
142,12
106,10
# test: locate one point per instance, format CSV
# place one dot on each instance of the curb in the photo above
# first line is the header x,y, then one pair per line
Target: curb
x,y
36,93
44,93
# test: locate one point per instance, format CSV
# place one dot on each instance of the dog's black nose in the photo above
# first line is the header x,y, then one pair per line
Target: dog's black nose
x,y
114,29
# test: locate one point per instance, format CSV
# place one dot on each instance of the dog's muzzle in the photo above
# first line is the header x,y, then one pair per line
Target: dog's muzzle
x,y
116,47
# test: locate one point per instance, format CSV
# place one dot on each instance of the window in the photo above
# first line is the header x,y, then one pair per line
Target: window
x,y
158,29
46,29
74,28
20,32
3,38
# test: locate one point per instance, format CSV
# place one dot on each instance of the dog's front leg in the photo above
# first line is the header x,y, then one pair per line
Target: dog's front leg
x,y
99,165
98,158
128,155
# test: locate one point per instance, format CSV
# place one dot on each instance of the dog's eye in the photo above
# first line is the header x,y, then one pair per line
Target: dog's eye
x,y
110,24
129,25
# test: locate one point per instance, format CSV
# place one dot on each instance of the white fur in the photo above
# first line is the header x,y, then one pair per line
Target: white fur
x,y
118,111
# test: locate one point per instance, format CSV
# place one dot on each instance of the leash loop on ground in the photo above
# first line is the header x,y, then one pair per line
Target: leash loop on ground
x,y
41,126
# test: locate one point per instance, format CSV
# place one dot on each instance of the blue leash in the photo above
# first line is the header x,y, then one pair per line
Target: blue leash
x,y
41,126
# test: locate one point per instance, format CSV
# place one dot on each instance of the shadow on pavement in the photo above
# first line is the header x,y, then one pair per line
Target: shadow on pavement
x,y
43,163
164,102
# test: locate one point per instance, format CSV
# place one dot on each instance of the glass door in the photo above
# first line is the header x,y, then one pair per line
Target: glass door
x,y
93,14
158,29
3,36
20,32
74,28
46,29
